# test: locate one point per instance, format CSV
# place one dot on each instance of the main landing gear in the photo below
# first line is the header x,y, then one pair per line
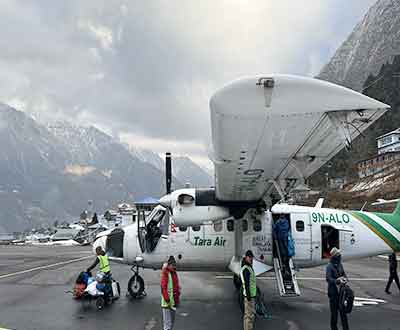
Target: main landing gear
x,y
136,284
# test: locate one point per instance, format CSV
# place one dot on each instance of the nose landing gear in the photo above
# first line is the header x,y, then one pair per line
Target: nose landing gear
x,y
136,284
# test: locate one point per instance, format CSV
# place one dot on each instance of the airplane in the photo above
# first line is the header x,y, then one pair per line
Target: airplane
x,y
269,133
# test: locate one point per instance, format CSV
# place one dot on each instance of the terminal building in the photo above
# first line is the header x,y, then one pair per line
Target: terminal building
x,y
387,159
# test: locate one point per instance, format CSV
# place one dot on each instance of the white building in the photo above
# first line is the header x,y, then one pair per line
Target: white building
x,y
389,142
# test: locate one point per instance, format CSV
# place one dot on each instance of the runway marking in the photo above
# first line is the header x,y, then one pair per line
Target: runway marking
x,y
43,267
226,277
360,302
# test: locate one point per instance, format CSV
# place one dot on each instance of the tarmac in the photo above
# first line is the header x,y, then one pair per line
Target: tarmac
x,y
34,281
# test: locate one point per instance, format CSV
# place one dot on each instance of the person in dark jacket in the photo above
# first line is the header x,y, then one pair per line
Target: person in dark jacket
x,y
281,233
393,273
335,276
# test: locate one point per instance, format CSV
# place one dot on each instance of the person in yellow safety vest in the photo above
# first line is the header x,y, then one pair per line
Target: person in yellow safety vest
x,y
170,292
249,290
102,260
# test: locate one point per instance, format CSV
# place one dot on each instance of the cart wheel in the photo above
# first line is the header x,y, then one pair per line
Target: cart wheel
x,y
100,302
136,286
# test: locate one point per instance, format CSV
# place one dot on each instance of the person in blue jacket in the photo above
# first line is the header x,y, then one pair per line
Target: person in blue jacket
x,y
281,233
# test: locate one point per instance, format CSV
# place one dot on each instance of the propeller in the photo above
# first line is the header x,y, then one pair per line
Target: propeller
x,y
166,200
168,172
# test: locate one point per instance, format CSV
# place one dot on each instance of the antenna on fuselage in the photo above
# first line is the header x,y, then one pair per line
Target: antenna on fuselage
x,y
168,172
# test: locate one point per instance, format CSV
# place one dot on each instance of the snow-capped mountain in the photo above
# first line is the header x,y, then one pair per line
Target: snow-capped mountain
x,y
49,173
183,168
373,42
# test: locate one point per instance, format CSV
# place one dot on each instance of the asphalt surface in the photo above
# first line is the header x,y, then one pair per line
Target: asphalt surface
x,y
37,299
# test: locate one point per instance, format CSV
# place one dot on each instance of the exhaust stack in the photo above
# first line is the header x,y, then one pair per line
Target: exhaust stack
x,y
168,172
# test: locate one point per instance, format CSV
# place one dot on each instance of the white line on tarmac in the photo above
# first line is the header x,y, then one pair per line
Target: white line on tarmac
x,y
370,299
226,277
44,267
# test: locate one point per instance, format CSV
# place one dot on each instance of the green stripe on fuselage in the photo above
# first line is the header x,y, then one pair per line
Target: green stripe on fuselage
x,y
378,229
391,219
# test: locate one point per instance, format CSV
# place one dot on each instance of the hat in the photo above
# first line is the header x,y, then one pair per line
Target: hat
x,y
171,260
249,253
335,251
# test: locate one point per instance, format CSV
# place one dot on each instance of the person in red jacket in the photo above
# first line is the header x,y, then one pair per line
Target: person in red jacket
x,y
170,293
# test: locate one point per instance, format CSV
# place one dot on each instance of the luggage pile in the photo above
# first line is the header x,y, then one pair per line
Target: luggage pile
x,y
103,289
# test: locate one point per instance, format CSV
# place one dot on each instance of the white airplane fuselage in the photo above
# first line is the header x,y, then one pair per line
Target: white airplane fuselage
x,y
210,247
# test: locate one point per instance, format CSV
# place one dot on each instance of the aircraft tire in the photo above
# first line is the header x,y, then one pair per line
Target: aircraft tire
x,y
136,286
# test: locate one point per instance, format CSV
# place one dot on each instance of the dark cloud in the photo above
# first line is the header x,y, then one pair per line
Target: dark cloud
x,y
148,68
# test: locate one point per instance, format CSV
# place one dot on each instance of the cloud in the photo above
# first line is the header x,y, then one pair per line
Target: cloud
x,y
148,68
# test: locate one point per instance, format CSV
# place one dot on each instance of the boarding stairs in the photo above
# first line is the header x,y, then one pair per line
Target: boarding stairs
x,y
285,278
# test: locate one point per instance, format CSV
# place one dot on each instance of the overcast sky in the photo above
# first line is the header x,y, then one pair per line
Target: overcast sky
x,y
145,70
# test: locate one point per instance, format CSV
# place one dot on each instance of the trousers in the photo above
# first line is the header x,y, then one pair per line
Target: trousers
x,y
334,305
249,311
393,276
168,318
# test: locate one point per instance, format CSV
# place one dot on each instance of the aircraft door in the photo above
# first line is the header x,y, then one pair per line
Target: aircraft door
x,y
302,235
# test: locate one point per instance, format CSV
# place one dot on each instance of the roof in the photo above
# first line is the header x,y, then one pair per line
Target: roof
x,y
147,200
396,131
66,233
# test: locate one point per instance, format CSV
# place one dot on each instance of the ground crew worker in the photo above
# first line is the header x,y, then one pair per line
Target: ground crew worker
x,y
335,276
393,273
102,260
170,293
249,290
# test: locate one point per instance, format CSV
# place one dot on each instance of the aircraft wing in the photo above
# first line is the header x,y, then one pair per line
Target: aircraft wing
x,y
268,129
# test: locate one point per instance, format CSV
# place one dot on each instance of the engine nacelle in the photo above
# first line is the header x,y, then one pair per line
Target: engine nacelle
x,y
189,215
194,207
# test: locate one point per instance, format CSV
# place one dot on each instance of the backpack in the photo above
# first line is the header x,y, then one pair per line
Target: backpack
x,y
346,298
79,289
290,246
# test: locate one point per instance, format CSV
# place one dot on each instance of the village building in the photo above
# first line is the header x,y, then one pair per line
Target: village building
x,y
386,161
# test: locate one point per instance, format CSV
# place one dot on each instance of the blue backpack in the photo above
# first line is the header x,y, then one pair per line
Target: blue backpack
x,y
291,251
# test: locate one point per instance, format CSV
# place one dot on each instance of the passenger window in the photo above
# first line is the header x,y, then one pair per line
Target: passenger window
x,y
245,225
196,228
300,225
257,225
182,228
218,226
230,225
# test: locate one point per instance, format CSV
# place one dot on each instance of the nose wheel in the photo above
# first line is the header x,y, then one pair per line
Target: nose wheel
x,y
136,284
